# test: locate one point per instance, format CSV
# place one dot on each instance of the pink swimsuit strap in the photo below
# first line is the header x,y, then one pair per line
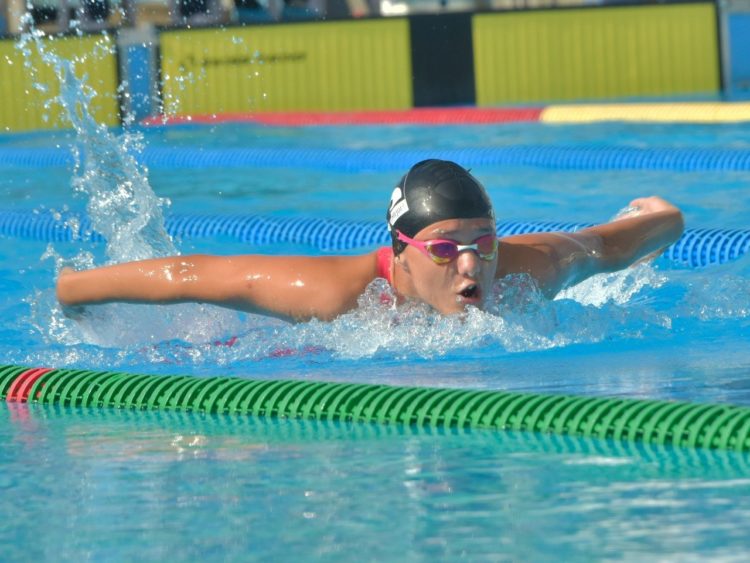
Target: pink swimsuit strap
x,y
385,258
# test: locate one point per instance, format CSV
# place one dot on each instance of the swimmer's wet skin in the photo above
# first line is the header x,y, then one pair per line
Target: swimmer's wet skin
x,y
443,253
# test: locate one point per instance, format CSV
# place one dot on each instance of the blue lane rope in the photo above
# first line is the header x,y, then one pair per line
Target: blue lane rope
x,y
345,160
696,247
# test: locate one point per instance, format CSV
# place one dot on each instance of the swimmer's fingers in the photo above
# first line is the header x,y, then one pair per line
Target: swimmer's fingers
x,y
644,206
652,204
629,211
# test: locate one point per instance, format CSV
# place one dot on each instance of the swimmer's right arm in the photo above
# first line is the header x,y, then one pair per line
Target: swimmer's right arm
x,y
296,287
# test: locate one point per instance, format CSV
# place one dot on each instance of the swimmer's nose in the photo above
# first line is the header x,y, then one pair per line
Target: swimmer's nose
x,y
468,263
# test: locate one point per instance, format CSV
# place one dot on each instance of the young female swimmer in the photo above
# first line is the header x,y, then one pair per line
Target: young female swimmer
x,y
445,252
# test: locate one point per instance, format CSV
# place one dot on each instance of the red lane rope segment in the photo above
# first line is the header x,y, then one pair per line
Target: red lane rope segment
x,y
21,386
418,116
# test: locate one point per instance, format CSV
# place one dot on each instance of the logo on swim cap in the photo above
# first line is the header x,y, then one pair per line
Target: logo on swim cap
x,y
398,206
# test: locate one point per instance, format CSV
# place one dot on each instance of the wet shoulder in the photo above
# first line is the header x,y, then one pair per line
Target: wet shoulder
x,y
531,255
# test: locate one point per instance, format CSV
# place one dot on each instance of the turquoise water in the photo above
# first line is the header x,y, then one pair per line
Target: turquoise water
x,y
124,486
191,486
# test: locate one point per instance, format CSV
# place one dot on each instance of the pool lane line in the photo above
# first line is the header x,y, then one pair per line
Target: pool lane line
x,y
684,112
657,112
417,116
676,423
696,247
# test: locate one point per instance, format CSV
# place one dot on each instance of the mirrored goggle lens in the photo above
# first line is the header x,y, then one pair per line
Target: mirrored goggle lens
x,y
443,250
486,246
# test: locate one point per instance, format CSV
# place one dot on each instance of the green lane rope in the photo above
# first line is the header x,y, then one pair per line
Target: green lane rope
x,y
627,420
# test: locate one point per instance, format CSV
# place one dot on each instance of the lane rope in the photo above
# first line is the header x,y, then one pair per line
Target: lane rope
x,y
679,424
696,247
592,158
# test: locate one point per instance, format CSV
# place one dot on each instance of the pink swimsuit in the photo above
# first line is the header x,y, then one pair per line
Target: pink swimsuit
x,y
385,259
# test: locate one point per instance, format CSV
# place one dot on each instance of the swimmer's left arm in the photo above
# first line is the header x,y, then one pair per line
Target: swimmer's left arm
x,y
559,260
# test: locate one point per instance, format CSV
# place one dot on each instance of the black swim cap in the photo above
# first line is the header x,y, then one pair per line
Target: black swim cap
x,y
435,190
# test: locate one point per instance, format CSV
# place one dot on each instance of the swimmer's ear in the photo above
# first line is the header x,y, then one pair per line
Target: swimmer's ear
x,y
401,262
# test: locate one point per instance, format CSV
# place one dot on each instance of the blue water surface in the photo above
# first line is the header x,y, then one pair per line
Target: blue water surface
x,y
122,485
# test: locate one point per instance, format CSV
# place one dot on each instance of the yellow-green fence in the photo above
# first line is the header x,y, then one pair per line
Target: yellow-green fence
x,y
533,56
316,66
24,106
596,53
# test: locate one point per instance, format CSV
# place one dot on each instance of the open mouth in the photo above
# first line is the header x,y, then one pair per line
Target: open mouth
x,y
470,292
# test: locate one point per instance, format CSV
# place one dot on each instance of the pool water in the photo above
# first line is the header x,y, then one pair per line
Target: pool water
x,y
190,486
123,486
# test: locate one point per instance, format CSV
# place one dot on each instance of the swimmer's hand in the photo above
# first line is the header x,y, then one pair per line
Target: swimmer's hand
x,y
646,206
653,204
71,311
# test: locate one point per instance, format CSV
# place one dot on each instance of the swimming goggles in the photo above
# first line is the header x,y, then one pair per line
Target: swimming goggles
x,y
442,251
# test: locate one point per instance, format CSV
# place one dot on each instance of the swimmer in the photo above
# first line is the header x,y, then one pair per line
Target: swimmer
x,y
444,252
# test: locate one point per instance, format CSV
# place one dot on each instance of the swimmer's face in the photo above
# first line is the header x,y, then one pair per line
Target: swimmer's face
x,y
450,287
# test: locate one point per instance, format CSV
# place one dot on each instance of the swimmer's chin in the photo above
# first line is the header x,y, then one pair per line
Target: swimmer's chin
x,y
461,306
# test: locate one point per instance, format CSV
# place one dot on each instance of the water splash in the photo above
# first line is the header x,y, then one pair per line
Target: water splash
x,y
618,287
121,206
120,202
518,319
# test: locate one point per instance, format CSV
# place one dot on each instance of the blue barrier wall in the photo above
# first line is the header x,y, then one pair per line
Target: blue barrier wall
x,y
140,71
739,55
